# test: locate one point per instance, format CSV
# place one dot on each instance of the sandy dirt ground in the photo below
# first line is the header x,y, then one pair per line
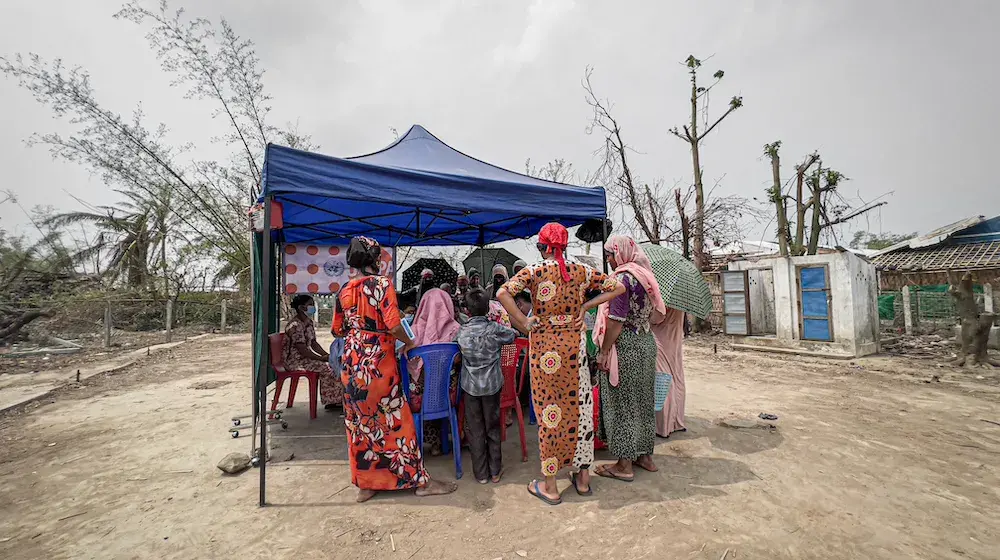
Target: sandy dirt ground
x,y
869,459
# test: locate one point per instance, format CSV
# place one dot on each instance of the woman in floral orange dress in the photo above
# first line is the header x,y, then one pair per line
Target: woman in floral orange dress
x,y
560,388
381,433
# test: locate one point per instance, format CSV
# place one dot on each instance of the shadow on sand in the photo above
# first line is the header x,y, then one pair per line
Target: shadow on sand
x,y
322,442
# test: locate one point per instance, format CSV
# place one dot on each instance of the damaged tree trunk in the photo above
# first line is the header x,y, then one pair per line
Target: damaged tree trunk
x,y
975,325
12,324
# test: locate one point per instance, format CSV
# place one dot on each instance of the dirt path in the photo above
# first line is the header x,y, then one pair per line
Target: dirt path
x,y
867,461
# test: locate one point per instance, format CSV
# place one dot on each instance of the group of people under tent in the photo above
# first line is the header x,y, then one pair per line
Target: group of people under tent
x,y
637,339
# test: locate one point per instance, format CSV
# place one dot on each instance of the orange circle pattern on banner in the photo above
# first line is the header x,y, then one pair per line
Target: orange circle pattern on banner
x,y
290,249
291,288
313,288
334,251
312,249
291,269
334,287
313,268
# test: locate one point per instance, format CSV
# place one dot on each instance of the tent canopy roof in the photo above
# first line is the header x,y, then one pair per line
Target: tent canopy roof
x,y
417,191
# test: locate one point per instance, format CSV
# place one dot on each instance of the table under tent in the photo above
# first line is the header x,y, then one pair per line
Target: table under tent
x,y
416,192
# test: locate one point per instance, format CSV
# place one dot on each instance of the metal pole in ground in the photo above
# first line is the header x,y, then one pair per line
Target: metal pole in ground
x,y
266,292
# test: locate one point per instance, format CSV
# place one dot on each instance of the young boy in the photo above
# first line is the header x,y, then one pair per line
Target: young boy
x,y
480,341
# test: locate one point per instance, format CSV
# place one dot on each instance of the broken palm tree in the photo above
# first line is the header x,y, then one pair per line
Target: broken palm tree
x,y
976,326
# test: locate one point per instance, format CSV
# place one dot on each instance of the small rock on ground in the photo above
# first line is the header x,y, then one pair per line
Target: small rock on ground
x,y
234,463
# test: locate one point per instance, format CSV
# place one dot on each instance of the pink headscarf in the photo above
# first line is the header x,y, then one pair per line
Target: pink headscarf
x,y
632,259
433,323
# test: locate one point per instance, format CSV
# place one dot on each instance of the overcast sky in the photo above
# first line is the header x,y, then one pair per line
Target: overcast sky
x,y
900,95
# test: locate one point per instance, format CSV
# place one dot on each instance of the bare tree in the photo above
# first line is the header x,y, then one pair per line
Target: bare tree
x,y
647,209
214,63
558,171
975,325
825,207
691,135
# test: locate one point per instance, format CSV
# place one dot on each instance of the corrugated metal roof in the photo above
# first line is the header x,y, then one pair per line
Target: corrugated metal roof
x,y
950,256
934,237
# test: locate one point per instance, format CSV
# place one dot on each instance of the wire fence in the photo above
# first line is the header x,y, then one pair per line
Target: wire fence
x,y
931,311
93,320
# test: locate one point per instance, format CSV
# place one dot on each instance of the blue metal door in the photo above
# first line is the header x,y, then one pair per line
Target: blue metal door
x,y
815,303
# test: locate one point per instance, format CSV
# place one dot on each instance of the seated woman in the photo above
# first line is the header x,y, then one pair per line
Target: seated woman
x,y
303,352
434,323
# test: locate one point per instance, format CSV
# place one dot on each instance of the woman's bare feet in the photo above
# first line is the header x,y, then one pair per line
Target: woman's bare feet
x,y
365,495
435,488
645,462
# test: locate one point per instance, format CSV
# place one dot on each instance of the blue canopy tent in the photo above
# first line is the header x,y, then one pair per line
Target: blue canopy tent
x,y
417,191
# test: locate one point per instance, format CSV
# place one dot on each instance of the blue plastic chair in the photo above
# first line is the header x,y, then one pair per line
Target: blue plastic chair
x,y
437,404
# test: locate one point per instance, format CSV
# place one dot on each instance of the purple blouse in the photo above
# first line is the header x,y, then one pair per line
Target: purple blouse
x,y
633,307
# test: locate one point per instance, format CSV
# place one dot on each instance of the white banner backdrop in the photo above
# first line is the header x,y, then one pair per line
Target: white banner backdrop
x,y
322,269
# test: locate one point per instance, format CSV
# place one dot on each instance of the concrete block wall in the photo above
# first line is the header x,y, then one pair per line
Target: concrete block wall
x,y
854,303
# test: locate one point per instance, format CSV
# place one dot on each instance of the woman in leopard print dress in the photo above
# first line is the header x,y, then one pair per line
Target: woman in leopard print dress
x,y
560,388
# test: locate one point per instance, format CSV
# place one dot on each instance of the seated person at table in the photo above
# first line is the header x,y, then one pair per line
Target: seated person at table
x,y
303,353
434,323
482,380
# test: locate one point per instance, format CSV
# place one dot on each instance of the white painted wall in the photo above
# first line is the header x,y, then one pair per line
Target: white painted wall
x,y
853,292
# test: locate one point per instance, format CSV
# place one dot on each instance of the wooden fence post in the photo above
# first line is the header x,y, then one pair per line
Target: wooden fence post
x,y
222,326
107,325
907,312
170,319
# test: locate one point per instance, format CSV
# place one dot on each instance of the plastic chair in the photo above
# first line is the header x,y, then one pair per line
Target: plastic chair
x,y
438,360
276,345
512,382
404,374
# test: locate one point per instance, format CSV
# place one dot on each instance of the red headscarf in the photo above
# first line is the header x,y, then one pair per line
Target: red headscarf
x,y
555,238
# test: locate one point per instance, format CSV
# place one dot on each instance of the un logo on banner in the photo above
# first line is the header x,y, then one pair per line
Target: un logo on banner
x,y
334,268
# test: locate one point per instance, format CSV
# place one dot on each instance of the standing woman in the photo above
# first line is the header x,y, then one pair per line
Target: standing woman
x,y
381,434
669,335
628,355
560,389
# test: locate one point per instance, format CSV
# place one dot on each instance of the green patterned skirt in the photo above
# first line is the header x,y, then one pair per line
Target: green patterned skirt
x,y
628,416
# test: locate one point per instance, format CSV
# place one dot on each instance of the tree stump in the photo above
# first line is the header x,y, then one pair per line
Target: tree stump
x,y
976,326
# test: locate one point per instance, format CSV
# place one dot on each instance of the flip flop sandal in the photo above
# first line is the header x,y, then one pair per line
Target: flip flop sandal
x,y
608,473
572,478
538,494
645,468
496,479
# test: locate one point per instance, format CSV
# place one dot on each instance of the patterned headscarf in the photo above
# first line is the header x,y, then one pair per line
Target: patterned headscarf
x,y
555,238
363,252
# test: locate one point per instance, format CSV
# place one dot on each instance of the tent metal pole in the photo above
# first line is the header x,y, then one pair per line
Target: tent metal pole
x,y
604,239
482,258
253,343
395,268
267,291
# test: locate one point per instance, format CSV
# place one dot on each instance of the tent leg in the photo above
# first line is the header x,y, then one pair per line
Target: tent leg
x,y
266,291
604,239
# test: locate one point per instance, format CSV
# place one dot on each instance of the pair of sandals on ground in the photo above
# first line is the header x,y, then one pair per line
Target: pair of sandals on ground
x,y
620,470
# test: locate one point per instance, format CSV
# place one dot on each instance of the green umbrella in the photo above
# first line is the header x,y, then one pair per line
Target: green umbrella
x,y
682,285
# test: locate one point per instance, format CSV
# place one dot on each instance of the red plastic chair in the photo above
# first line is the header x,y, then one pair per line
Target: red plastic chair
x,y
276,344
512,382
